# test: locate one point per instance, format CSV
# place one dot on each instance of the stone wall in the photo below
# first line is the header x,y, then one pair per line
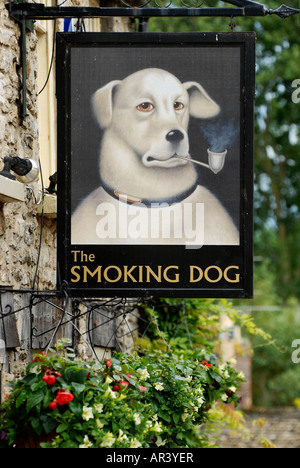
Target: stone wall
x,y
25,262
19,222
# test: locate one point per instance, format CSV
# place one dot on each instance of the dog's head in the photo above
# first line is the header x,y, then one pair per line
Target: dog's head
x,y
149,110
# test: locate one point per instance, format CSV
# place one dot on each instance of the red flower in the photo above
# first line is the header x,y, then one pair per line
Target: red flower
x,y
53,405
124,383
38,358
142,388
50,376
64,397
205,363
108,363
50,379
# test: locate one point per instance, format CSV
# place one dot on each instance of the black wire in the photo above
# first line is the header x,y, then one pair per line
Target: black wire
x,y
52,59
64,312
41,231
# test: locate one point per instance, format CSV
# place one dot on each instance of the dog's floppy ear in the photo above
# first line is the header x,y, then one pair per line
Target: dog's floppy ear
x,y
201,105
103,103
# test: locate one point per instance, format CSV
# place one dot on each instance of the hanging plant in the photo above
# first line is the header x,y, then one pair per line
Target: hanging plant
x,y
127,401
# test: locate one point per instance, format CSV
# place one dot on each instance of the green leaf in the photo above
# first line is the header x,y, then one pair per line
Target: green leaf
x,y
164,415
34,399
216,376
75,374
47,400
37,426
61,428
127,369
49,425
77,427
176,417
75,407
178,377
36,385
21,398
77,388
69,444
30,379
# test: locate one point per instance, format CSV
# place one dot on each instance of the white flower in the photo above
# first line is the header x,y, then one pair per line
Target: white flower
x,y
233,389
200,401
144,374
87,413
110,393
99,407
158,386
108,440
156,427
86,443
99,424
160,443
108,380
137,419
241,376
122,436
134,443
148,424
224,397
184,416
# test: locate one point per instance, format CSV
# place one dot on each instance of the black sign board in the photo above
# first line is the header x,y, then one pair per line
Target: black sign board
x,y
155,164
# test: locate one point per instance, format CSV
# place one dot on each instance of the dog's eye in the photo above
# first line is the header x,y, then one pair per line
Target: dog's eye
x,y
178,105
145,107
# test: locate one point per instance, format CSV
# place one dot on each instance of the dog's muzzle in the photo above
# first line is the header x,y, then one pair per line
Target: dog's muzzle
x,y
163,161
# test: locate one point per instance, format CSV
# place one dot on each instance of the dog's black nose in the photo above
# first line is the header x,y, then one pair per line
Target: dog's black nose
x,y
174,136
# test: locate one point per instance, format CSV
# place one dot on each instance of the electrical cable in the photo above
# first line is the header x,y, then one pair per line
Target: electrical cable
x,y
41,231
66,301
52,58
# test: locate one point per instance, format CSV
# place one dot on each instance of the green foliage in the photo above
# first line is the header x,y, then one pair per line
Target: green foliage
x,y
126,402
189,325
276,378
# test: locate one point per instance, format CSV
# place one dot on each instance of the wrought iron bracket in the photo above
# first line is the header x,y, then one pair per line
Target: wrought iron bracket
x,y
38,11
23,12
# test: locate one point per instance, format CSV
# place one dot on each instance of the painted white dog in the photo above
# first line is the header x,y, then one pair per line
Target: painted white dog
x,y
147,195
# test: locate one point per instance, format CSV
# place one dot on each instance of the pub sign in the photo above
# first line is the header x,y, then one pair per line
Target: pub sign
x,y
155,164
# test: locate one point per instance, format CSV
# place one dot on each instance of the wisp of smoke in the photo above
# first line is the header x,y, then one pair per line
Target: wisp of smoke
x,y
220,135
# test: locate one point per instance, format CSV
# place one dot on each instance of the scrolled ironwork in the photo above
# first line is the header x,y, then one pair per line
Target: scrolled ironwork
x,y
135,3
193,3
